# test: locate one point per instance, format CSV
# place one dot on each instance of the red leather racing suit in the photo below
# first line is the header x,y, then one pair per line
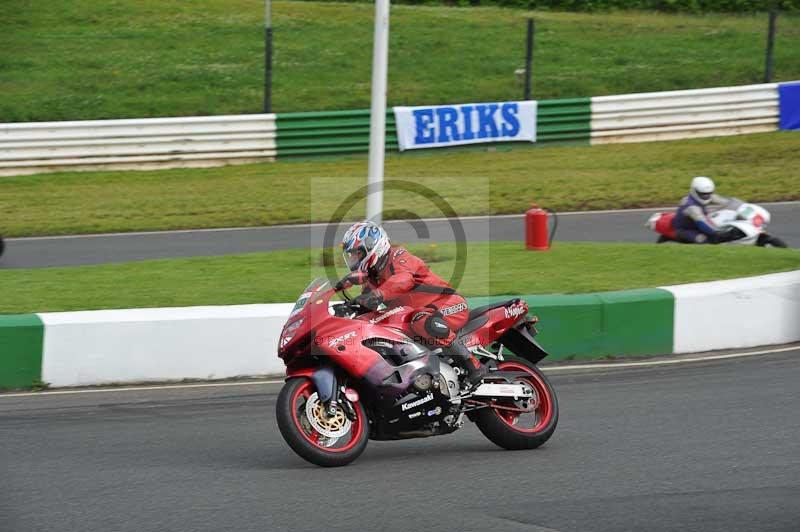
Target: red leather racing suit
x,y
406,280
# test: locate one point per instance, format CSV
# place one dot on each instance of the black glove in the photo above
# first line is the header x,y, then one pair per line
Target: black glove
x,y
351,279
371,300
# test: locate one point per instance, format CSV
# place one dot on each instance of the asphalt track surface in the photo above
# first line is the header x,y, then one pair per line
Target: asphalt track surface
x,y
611,226
711,446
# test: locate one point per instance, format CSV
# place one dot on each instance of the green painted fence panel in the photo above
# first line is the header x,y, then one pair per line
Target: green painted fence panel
x,y
567,120
21,341
322,142
323,133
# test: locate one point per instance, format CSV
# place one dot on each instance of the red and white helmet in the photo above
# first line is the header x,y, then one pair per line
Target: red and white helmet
x,y
364,245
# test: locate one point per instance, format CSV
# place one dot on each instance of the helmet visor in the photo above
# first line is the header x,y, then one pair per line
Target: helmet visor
x,y
353,258
705,196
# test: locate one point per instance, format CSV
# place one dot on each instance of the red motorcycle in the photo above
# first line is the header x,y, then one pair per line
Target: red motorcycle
x,y
354,375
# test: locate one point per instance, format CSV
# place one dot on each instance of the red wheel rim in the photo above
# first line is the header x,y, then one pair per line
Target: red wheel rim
x,y
543,411
298,405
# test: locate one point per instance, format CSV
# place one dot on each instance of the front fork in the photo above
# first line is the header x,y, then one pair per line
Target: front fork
x,y
330,394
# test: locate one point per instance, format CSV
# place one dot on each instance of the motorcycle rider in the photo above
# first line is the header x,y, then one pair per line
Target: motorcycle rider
x,y
393,276
692,224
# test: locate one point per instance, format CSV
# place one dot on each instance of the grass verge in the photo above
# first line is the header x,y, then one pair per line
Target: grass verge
x,y
491,269
80,59
759,167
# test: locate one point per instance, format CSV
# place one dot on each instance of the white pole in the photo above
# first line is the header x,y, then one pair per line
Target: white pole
x,y
377,126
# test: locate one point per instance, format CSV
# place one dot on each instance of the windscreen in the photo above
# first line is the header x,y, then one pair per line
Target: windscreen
x,y
316,287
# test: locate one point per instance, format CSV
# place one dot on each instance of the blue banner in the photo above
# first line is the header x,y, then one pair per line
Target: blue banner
x,y
473,123
789,98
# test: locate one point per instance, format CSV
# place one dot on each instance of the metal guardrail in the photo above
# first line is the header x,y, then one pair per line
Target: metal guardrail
x,y
684,114
27,148
36,147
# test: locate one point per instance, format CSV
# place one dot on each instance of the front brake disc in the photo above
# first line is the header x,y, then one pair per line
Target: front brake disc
x,y
334,426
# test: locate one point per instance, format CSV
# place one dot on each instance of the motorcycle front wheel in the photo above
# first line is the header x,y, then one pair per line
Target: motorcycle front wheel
x,y
324,440
767,240
526,424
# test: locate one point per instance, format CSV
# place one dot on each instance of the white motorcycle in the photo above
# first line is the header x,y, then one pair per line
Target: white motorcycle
x,y
748,222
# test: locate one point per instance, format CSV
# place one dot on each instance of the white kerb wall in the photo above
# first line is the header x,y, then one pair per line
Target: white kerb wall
x,y
747,312
166,344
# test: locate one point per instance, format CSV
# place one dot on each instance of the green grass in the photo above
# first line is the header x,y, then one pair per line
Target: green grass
x,y
274,277
754,167
82,59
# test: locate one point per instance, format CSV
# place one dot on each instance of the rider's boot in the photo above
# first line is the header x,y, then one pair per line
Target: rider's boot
x,y
475,370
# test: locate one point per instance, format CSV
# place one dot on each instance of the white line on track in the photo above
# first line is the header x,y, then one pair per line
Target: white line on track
x,y
308,226
671,360
140,388
547,369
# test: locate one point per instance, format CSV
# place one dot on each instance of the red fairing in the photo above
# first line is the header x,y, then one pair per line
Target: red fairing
x,y
340,340
397,317
323,335
664,225
299,372
500,320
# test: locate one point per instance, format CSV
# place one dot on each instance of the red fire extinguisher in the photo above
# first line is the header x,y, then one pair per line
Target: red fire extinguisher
x,y
536,229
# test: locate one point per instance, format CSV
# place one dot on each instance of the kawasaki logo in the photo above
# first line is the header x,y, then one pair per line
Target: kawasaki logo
x,y
414,404
387,314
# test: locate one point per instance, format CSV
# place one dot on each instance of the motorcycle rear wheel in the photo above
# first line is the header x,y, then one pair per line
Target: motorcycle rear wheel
x,y
305,440
506,428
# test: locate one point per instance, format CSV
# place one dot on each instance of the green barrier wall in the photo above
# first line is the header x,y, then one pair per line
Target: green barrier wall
x,y
343,132
21,340
627,323
638,322
564,121
328,132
